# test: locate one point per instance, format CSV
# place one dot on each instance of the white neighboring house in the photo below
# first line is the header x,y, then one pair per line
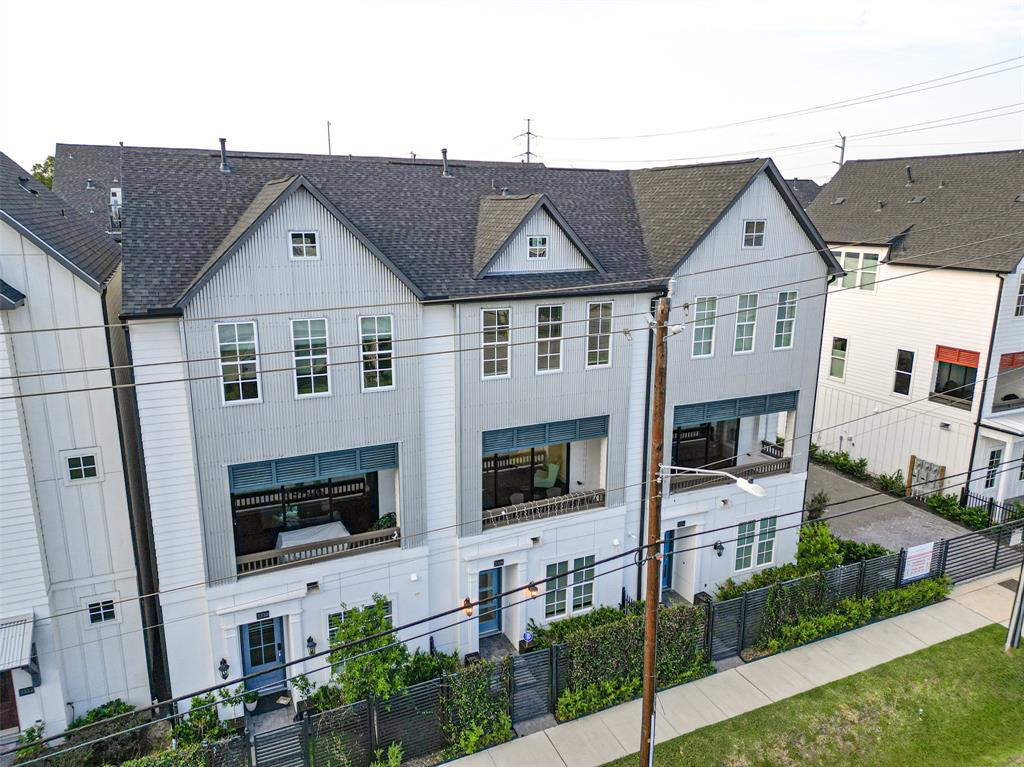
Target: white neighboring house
x,y
70,623
403,382
922,364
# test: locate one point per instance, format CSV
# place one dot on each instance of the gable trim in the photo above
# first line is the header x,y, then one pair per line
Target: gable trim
x,y
552,211
43,245
299,182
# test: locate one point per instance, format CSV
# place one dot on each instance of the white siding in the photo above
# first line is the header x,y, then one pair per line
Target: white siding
x,y
563,255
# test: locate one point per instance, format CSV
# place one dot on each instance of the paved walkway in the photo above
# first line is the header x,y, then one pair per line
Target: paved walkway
x,y
894,525
601,737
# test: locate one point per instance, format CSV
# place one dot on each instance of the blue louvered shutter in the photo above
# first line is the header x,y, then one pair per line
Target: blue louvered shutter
x,y
531,436
686,415
721,410
343,463
780,402
378,458
248,476
748,406
590,428
498,441
561,431
298,469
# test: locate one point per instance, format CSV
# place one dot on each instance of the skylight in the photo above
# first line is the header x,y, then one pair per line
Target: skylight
x,y
917,200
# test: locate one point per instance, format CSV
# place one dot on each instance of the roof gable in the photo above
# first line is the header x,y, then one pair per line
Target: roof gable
x,y
504,224
10,297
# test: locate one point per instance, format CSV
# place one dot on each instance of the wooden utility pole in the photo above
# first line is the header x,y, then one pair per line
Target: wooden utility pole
x,y
842,151
652,588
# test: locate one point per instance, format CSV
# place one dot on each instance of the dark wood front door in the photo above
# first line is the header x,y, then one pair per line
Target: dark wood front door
x,y
8,704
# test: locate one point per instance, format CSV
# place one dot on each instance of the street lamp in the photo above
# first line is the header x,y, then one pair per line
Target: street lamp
x,y
743,484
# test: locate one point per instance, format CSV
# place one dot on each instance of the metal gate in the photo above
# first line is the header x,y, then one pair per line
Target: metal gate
x,y
284,747
531,685
975,554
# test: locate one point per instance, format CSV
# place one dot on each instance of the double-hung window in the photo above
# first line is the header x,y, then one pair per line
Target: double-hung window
x,y
309,349
304,246
745,545
753,233
101,612
549,339
81,467
556,598
904,372
704,326
599,334
583,583
861,270
837,365
1018,309
377,345
995,457
755,543
237,345
765,541
746,321
785,319
495,324
537,247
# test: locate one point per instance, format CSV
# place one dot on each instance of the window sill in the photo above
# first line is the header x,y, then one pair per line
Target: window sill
x,y
945,399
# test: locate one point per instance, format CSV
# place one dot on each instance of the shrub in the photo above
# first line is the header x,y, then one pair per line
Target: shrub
x,y
892,483
358,674
817,504
556,632
392,758
841,461
574,703
814,452
423,666
948,506
854,552
730,589
388,520
817,548
111,708
320,697
475,709
910,597
190,756
201,724
789,604
113,745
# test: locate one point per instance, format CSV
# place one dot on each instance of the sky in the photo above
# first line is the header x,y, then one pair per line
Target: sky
x,y
401,77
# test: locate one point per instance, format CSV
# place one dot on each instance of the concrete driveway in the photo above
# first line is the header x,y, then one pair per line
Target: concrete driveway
x,y
895,525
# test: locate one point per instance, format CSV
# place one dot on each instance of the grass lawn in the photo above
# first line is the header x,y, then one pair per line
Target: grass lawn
x,y
956,704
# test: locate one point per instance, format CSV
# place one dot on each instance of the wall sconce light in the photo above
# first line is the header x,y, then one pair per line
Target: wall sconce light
x,y
616,543
311,645
467,605
532,590
413,578
719,548
224,667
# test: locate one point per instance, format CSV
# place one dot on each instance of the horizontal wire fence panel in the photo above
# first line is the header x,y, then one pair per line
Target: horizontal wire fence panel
x,y
531,685
561,669
234,752
414,718
975,554
725,628
881,574
341,737
283,747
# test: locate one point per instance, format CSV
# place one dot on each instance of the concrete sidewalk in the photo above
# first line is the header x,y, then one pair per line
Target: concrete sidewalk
x,y
606,735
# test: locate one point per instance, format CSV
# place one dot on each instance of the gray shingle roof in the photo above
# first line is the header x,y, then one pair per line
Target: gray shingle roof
x,y
102,165
55,226
496,220
805,189
956,188
10,297
180,210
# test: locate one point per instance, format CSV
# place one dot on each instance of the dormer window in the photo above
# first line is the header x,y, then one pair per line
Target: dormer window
x,y
304,246
538,247
753,233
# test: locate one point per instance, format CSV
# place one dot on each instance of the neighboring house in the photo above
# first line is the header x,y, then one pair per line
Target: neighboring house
x,y
429,380
805,190
71,633
925,375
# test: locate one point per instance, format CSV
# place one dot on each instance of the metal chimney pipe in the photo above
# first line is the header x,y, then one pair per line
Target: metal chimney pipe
x,y
444,163
910,176
224,167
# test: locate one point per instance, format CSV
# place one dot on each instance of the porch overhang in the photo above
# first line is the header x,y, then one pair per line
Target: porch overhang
x,y
16,645
1004,425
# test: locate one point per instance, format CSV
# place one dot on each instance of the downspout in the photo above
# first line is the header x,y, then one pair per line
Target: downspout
x,y
984,384
647,452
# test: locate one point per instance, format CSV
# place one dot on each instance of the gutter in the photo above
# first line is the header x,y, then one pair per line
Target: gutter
x,y
984,384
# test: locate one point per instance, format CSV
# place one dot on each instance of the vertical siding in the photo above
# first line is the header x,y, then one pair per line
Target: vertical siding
x,y
1008,338
563,255
260,277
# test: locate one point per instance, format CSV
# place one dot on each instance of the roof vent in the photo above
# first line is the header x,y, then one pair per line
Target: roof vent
x,y
444,164
942,183
90,184
910,176
838,200
917,200
224,167
504,191
1019,198
881,204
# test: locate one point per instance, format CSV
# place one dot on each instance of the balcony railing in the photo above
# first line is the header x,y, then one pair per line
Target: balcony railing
x,y
311,552
683,482
771,449
549,507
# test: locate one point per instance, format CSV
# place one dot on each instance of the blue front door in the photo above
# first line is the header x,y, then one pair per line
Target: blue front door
x,y
666,559
490,606
263,654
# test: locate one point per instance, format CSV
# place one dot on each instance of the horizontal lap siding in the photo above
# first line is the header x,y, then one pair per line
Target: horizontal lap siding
x,y
260,277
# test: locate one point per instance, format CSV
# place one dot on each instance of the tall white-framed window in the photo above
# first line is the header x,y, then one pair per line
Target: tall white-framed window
x,y
746,534
583,583
785,320
239,362
556,597
82,467
309,352
753,233
335,619
537,247
746,323
837,363
495,342
376,342
904,372
1018,309
765,541
549,338
705,309
995,457
861,270
304,246
599,334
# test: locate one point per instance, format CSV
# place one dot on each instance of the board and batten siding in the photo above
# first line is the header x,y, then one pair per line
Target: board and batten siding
x,y
1008,337
764,271
563,255
526,397
261,278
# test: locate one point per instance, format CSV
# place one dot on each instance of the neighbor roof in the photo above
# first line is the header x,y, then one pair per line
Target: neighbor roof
x,y
55,226
967,199
182,213
805,189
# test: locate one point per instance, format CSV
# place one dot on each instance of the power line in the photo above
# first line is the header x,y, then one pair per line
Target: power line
x,y
854,101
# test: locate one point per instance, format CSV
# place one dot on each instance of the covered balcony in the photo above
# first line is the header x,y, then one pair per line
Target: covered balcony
x,y
750,437
296,510
544,470
1009,391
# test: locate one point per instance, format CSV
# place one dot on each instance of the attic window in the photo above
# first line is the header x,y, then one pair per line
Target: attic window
x,y
753,234
537,247
838,200
916,200
304,246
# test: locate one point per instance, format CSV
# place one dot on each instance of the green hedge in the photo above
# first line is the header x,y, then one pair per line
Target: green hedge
x,y
948,506
854,551
474,712
605,662
841,461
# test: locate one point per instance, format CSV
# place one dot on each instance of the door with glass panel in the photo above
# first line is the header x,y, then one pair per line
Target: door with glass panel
x,y
263,654
490,603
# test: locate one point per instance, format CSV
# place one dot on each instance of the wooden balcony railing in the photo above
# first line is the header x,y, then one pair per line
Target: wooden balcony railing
x,y
684,482
548,507
311,552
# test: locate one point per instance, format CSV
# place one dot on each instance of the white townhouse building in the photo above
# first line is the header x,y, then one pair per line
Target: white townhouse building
x,y
429,380
922,364
71,630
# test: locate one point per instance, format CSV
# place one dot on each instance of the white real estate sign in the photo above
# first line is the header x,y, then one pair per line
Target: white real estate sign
x,y
917,562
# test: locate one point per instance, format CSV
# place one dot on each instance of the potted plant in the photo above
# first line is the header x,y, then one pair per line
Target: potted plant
x,y
249,698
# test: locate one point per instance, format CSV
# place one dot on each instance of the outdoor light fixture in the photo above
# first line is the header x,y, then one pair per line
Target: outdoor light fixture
x,y
743,484
311,645
719,548
532,590
467,605
223,668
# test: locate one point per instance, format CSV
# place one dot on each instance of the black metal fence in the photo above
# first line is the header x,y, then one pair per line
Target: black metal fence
x,y
998,513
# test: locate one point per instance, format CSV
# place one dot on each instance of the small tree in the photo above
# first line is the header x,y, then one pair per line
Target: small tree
x,y
43,171
379,673
818,549
817,504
